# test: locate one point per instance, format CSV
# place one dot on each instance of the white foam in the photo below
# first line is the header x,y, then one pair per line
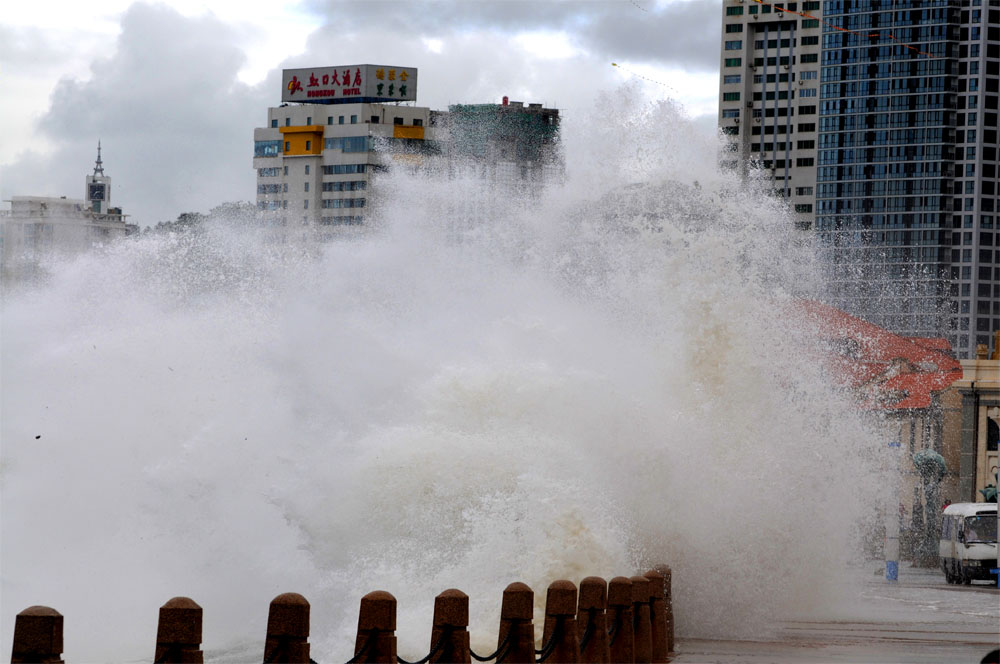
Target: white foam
x,y
476,392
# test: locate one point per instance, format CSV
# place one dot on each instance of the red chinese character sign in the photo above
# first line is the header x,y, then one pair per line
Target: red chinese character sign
x,y
345,84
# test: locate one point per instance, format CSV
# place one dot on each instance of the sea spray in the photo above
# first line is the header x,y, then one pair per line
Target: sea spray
x,y
491,383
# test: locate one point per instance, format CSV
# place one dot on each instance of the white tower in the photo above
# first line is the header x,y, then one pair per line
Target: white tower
x,y
99,186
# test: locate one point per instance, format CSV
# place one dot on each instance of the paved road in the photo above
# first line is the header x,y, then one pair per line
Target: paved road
x,y
920,619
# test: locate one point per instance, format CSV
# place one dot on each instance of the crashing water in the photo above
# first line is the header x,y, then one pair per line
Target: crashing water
x,y
483,388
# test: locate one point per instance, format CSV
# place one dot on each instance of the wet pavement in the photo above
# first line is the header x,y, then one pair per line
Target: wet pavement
x,y
919,619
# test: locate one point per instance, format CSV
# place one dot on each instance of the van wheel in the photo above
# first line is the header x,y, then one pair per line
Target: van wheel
x,y
964,576
948,577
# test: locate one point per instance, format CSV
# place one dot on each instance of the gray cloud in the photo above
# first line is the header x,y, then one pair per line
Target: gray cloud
x,y
684,32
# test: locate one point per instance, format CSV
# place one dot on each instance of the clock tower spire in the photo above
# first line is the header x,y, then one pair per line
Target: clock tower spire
x,y
99,186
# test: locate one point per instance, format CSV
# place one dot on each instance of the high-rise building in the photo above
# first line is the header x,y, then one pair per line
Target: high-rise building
x,y
903,160
515,141
769,95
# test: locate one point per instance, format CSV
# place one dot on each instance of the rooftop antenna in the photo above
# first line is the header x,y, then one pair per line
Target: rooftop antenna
x,y
98,166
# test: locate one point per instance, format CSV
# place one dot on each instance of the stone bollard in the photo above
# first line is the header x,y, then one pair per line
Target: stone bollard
x,y
178,634
592,621
668,603
287,630
560,624
451,628
622,640
640,614
658,616
516,613
376,641
38,636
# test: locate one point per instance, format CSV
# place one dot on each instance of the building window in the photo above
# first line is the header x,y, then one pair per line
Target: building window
x,y
734,62
329,119
731,79
734,27
288,122
286,170
398,121
803,207
307,169
810,23
284,187
354,119
807,92
730,112
734,45
305,204
266,148
307,186
809,57
288,146
274,123
810,41
341,121
734,11
730,96
420,123
374,119
309,145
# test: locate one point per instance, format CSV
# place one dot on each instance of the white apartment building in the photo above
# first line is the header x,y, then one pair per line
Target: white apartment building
x,y
768,102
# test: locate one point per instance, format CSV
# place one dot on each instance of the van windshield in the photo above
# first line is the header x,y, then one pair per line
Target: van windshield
x,y
981,528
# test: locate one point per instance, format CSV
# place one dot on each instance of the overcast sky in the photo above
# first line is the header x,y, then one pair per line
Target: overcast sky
x,y
174,89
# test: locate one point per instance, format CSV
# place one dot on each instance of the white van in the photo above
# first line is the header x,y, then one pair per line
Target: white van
x,y
968,547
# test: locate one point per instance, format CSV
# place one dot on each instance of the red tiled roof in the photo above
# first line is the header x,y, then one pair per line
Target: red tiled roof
x,y
891,371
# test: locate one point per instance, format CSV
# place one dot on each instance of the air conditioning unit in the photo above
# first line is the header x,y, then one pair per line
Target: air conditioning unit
x,y
736,120
749,104
801,82
757,120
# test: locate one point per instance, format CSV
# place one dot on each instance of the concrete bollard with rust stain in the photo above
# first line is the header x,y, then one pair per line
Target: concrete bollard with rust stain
x,y
622,640
592,621
668,602
658,616
559,633
640,615
178,634
451,628
38,636
516,613
376,641
287,630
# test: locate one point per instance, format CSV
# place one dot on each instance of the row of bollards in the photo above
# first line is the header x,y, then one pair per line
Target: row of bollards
x,y
623,620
